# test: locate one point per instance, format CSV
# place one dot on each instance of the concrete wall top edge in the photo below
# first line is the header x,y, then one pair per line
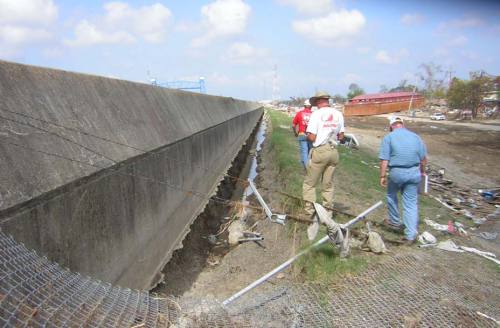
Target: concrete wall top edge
x,y
37,156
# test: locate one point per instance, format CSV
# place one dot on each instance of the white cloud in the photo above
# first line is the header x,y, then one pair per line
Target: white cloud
x,y
444,49
385,57
244,53
222,18
216,78
124,24
464,23
31,12
309,7
363,50
336,28
19,35
470,55
24,23
87,34
411,19
457,41
351,78
149,22
441,52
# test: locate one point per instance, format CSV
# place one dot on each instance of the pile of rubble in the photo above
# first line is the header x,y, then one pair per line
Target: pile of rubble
x,y
476,204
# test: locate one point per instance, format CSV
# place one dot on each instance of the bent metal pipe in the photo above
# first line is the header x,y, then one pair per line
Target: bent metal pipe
x,y
284,265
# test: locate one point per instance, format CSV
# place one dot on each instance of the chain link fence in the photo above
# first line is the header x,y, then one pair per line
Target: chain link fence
x,y
428,288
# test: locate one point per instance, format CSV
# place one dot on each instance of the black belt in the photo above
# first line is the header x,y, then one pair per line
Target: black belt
x,y
403,167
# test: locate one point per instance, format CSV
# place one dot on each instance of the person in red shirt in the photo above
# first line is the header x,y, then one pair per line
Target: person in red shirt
x,y
299,124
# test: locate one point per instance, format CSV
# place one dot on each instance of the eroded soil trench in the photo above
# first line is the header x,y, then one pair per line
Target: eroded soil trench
x,y
205,245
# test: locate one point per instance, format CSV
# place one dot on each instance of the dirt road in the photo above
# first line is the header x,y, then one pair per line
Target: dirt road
x,y
490,125
469,152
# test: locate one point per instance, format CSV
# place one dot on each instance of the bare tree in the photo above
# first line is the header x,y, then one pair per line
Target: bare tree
x,y
433,78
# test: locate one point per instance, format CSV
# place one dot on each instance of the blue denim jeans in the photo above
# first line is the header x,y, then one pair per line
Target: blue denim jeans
x,y
406,181
305,146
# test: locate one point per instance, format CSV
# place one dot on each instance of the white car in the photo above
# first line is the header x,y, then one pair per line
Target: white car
x,y
438,117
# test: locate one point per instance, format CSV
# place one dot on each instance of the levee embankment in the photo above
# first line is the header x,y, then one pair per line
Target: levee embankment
x,y
105,176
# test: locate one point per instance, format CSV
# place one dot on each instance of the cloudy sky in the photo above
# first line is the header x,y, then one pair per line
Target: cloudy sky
x,y
234,44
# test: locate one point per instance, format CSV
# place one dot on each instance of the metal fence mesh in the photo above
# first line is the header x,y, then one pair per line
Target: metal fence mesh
x,y
37,293
423,289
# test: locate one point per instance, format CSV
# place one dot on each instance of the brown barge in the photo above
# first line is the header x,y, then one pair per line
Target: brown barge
x,y
383,103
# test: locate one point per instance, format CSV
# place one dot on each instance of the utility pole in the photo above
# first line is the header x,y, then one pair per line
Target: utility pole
x,y
450,76
276,90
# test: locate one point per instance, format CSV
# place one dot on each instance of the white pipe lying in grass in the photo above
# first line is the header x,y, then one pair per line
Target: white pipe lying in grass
x,y
290,261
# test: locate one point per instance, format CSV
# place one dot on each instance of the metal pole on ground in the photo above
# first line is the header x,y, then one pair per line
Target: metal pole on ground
x,y
290,261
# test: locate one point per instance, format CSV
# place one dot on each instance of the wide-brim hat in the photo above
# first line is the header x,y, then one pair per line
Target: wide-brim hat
x,y
319,95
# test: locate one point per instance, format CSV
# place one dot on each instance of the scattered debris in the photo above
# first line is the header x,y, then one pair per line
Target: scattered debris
x,y
490,195
356,243
338,235
426,238
250,236
312,230
286,264
375,243
488,235
494,215
435,225
371,241
459,227
449,245
235,232
487,255
488,317
350,140
479,221
475,204
275,218
212,239
213,262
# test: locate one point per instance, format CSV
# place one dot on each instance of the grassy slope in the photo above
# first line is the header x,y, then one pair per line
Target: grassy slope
x,y
356,185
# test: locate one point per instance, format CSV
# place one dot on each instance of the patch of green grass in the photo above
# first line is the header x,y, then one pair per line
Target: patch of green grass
x,y
325,265
358,169
286,155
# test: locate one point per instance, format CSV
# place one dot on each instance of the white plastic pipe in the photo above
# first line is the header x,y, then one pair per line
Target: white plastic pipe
x,y
290,261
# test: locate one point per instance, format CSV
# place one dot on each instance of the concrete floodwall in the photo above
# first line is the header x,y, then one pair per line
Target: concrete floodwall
x,y
110,188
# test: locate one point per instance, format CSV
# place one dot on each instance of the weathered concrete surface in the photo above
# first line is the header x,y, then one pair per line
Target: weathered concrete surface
x,y
115,213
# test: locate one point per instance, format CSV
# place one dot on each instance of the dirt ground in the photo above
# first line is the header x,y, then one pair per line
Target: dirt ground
x,y
468,152
202,270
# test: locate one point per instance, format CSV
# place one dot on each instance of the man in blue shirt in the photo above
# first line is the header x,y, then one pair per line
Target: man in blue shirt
x,y
404,153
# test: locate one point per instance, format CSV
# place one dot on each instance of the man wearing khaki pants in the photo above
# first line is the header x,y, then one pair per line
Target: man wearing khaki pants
x,y
325,129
